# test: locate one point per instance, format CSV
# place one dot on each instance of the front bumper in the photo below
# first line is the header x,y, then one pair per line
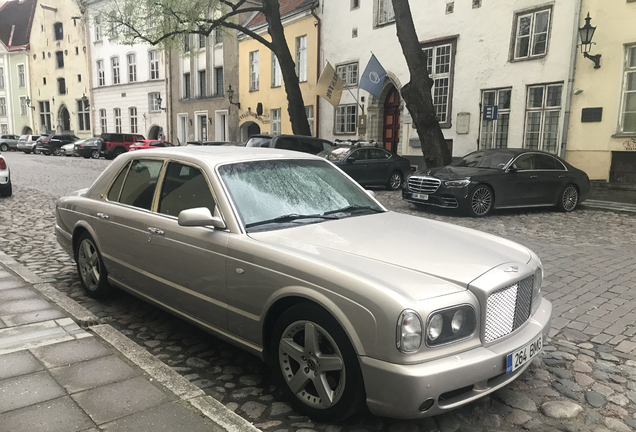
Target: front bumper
x,y
398,391
442,197
84,152
26,147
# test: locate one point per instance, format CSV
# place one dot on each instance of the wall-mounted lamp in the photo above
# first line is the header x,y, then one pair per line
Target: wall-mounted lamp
x,y
190,120
159,100
85,102
586,33
28,102
230,96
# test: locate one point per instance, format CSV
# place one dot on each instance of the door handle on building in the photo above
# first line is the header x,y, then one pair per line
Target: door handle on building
x,y
156,231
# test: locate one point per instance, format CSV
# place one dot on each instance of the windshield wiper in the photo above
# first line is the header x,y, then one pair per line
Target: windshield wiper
x,y
289,218
353,208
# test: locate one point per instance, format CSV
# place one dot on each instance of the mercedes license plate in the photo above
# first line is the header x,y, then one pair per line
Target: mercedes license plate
x,y
523,355
420,196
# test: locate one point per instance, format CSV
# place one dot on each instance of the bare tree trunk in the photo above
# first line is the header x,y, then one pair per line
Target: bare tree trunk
x,y
296,105
417,92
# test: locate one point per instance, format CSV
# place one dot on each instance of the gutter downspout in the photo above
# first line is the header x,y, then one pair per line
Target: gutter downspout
x,y
317,110
570,84
168,75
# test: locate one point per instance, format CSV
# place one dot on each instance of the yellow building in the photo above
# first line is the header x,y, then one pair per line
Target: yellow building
x,y
602,128
263,101
58,71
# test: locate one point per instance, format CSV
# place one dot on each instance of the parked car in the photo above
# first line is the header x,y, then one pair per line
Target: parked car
x,y
369,165
5,179
146,144
207,143
88,148
8,142
300,143
26,143
67,149
500,178
117,143
52,144
329,287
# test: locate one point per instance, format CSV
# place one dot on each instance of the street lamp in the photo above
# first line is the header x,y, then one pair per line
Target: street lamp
x,y
159,100
586,33
85,103
28,103
230,96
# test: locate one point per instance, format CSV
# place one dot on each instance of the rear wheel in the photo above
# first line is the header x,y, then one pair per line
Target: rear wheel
x,y
395,181
7,191
4,147
90,268
36,151
480,201
569,198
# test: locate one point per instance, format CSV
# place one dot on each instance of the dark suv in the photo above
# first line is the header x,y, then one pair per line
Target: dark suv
x,y
305,144
52,144
118,143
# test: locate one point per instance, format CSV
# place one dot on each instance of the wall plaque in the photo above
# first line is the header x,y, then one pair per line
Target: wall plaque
x,y
589,115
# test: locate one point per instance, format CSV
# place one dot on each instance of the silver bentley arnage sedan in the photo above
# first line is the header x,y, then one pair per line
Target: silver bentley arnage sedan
x,y
284,255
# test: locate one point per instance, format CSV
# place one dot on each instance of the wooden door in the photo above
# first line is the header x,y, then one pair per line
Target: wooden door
x,y
391,128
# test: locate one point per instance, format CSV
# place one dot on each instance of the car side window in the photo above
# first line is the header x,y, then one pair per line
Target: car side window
x,y
156,144
359,154
115,189
525,162
129,139
184,187
140,184
546,162
286,144
379,154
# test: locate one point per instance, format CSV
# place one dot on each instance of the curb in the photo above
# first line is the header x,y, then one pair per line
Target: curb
x,y
183,389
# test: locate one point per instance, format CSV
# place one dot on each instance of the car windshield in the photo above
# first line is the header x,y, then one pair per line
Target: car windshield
x,y
276,194
258,142
480,159
335,154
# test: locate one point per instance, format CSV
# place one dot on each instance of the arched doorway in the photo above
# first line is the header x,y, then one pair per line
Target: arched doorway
x,y
64,119
26,130
249,129
154,132
391,123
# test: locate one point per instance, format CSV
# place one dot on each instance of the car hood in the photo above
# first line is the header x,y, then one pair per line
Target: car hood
x,y
405,253
453,172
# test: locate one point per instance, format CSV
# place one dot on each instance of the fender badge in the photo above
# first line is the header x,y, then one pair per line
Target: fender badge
x,y
512,269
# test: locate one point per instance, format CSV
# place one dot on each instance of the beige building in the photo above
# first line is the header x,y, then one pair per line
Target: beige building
x,y
58,72
602,127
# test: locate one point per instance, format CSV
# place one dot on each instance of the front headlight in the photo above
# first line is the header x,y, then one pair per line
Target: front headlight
x,y
457,183
409,332
538,281
450,325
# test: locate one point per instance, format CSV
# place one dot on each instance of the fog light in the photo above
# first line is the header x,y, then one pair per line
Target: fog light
x,y
435,327
458,321
426,405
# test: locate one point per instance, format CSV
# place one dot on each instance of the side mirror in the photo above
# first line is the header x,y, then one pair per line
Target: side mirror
x,y
200,216
351,160
513,168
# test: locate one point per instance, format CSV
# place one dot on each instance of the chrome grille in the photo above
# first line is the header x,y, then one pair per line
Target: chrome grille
x,y
508,308
426,185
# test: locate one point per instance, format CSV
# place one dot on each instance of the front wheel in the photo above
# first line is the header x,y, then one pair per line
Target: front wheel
x,y
95,154
90,268
480,201
395,181
4,147
36,151
569,198
27,152
57,151
315,364
118,152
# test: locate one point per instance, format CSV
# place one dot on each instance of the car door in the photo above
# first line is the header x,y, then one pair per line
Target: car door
x,y
552,177
187,264
356,165
379,166
521,182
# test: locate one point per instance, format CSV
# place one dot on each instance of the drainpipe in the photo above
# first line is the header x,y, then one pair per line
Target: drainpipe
x,y
570,84
317,110
168,76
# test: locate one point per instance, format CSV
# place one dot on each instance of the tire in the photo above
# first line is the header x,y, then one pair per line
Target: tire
x,y
27,152
95,154
568,198
290,359
117,152
480,201
108,156
7,192
57,151
35,151
90,268
395,181
4,147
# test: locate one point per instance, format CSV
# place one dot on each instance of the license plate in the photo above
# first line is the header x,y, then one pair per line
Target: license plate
x,y
523,355
420,196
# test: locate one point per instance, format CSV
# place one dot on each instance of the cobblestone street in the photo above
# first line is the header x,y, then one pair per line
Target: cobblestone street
x,y
585,380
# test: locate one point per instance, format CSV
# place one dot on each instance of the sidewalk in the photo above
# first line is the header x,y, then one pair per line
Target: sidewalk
x,y
57,376
609,205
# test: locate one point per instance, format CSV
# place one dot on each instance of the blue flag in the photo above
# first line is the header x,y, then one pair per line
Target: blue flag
x,y
373,76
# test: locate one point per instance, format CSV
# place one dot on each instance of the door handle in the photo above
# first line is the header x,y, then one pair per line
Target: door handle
x,y
156,231
533,176
103,215
561,176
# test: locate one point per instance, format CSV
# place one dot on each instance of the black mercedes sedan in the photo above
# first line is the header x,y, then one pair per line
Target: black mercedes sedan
x,y
500,178
369,165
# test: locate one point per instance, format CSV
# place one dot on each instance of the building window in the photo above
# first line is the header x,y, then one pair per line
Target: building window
x,y
21,76
494,133
348,73
274,118
83,115
98,29
43,80
627,122
202,40
346,117
218,36
58,31
531,34
309,111
218,81
133,119
101,76
3,106
61,86
4,129
45,115
59,59
154,65
202,84
543,112
117,115
276,72
202,127
102,120
385,12
186,43
440,64
254,70
114,62
1,77
355,4
301,58
79,78
186,86
24,108
153,101
132,67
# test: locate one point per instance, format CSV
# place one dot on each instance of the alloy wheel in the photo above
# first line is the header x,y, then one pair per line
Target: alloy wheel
x,y
57,151
395,181
481,201
4,147
570,198
312,364
95,154
88,260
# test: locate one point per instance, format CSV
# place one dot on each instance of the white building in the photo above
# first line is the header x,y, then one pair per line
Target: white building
x,y
126,83
516,55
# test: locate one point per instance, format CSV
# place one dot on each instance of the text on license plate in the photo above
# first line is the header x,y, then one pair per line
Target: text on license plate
x,y
523,355
420,196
